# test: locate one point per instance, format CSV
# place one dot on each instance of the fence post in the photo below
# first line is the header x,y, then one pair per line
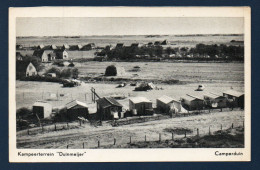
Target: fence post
x,y
159,137
232,125
209,130
67,125
28,132
98,144
145,138
198,132
130,139
79,122
172,136
114,141
68,146
55,128
83,145
185,134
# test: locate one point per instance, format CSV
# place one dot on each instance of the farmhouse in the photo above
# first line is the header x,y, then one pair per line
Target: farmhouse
x,y
76,109
165,103
41,54
65,47
89,46
235,98
53,47
140,106
42,109
40,47
192,102
108,108
61,54
31,70
19,56
51,56
165,42
215,101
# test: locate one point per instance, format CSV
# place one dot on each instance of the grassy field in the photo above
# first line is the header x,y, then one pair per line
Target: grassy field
x,y
106,133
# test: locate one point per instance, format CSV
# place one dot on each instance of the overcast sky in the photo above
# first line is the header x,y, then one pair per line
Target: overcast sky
x,y
126,26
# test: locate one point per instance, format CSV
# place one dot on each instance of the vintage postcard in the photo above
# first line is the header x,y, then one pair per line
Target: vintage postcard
x,y
129,84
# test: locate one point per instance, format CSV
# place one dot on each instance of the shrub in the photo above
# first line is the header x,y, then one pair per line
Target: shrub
x,y
111,71
23,112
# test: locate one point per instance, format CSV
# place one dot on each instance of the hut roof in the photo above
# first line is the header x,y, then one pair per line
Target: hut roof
x,y
66,46
190,98
233,93
139,100
53,46
41,46
108,101
42,104
213,95
75,103
167,99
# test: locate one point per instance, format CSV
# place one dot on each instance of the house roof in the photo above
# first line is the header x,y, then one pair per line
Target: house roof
x,y
66,46
41,46
139,100
38,53
190,98
42,104
212,95
233,93
75,103
53,46
108,101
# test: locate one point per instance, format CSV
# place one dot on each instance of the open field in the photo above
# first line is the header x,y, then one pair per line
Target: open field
x,y
102,41
106,133
192,72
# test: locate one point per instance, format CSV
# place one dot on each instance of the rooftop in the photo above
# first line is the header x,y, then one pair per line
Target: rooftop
x,y
233,93
139,100
74,103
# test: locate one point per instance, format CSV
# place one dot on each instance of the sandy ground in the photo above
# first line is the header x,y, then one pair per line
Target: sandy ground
x,y
106,133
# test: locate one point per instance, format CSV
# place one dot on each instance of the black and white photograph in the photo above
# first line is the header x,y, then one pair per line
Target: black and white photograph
x,y
123,83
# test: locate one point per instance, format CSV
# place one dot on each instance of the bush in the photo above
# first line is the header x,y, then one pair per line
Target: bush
x,y
111,71
23,113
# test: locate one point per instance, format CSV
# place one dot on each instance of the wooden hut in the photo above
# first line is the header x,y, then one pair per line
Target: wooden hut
x,y
140,106
108,108
192,103
164,104
61,54
235,98
213,100
76,109
42,109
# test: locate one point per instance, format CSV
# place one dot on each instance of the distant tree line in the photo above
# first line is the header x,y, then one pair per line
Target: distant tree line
x,y
200,51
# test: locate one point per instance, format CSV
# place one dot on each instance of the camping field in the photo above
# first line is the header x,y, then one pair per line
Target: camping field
x,y
216,77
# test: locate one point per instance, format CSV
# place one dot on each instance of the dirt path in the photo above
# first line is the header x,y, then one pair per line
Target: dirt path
x,y
106,134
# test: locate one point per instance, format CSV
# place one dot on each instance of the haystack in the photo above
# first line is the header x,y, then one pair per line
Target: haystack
x,y
113,70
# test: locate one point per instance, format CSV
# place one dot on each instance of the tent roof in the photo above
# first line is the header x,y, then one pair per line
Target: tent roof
x,y
75,103
139,100
233,93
